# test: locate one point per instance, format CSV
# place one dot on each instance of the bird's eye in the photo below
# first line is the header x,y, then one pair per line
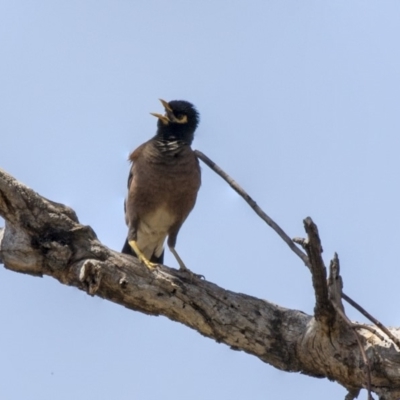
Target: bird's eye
x,y
181,118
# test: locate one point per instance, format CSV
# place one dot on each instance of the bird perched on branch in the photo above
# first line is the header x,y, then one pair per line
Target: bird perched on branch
x,y
162,186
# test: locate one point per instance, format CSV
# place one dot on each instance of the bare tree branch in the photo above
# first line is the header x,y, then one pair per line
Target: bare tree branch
x,y
238,189
323,311
45,238
323,308
372,319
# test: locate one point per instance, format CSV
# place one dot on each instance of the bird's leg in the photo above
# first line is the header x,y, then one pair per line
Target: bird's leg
x,y
182,265
141,256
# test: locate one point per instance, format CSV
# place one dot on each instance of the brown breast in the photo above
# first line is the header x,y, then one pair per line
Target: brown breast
x,y
164,187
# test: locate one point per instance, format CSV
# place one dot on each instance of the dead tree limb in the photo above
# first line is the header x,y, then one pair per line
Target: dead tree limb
x,y
42,237
258,210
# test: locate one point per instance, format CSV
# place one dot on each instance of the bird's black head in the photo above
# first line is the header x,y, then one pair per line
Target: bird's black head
x,y
179,122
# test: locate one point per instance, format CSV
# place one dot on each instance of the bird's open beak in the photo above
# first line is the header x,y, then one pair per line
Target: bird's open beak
x,y
169,115
163,118
166,105
168,111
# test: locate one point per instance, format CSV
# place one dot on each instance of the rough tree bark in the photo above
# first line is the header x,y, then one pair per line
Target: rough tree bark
x,y
42,237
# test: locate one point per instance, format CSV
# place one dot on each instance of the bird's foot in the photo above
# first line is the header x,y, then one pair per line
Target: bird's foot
x,y
183,267
150,265
190,273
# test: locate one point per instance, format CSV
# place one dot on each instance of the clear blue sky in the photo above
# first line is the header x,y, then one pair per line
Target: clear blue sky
x,y
299,102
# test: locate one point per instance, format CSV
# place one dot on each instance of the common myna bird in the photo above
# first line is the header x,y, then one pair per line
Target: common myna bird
x,y
162,186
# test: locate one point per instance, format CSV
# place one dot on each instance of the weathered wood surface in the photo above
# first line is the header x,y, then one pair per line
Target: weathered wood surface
x,y
42,237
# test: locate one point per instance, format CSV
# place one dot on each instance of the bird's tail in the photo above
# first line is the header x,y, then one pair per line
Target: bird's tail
x,y
128,250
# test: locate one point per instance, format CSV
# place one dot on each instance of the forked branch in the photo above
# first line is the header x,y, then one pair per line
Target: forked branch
x,y
328,297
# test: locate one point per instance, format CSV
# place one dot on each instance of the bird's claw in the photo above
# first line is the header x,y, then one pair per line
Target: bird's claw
x,y
151,266
192,274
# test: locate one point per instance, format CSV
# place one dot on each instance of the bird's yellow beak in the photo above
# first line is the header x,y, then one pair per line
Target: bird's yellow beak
x,y
164,118
166,105
169,115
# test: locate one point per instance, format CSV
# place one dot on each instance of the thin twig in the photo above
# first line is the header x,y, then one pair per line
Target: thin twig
x,y
291,243
238,189
360,345
366,362
369,328
372,319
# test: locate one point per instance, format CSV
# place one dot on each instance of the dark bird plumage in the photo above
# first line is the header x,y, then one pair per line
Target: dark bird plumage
x,y
162,186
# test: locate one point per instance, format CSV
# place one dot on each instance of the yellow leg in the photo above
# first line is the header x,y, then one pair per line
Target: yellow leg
x,y
141,256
